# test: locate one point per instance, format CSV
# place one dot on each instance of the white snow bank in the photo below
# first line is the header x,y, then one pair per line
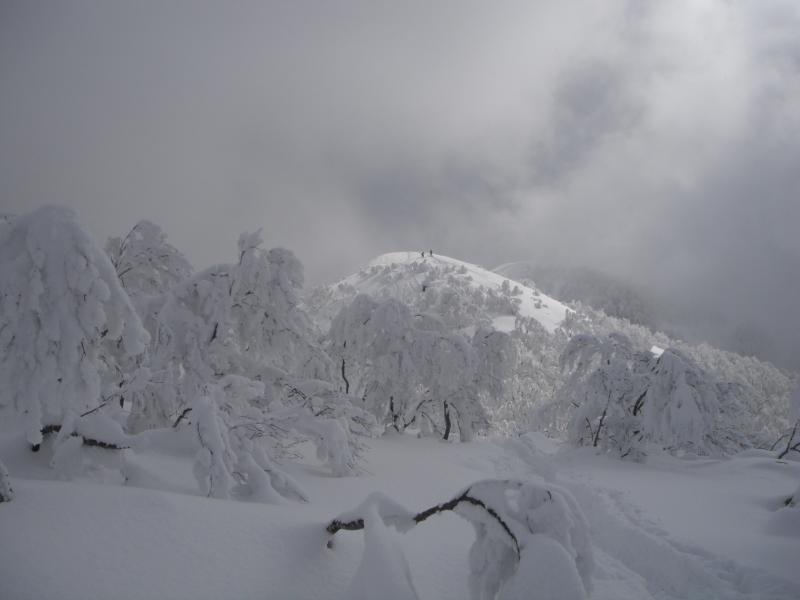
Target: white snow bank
x,y
671,529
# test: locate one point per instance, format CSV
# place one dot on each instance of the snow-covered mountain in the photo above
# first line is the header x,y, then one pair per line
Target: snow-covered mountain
x,y
407,276
464,297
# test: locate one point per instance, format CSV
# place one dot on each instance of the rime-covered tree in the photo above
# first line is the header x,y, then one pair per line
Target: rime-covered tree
x,y
624,400
453,377
372,343
145,262
758,391
605,384
66,323
411,368
234,352
680,408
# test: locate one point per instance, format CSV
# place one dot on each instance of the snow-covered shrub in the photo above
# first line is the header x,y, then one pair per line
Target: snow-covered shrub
x,y
66,323
6,491
231,458
528,537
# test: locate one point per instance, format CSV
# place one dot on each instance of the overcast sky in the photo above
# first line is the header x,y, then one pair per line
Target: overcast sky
x,y
656,141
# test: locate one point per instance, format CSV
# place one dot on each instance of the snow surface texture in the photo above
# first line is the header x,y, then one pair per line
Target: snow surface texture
x,y
672,529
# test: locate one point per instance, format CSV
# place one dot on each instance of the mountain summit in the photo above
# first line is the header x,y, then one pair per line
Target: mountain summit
x,y
455,287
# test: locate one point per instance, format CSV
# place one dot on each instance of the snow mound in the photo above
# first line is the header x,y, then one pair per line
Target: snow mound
x,y
384,571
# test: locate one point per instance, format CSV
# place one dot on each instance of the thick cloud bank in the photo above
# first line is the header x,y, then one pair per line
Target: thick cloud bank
x,y
655,141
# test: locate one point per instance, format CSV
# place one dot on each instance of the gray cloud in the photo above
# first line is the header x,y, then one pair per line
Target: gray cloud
x,y
655,141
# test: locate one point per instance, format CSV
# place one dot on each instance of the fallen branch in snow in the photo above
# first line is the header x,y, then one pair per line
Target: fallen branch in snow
x,y
357,524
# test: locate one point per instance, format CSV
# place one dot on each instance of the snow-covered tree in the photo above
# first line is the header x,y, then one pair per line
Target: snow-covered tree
x,y
373,344
680,407
234,353
411,368
754,394
624,400
606,382
145,263
453,378
65,321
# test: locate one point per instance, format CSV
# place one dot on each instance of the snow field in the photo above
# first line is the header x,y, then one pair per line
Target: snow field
x,y
89,539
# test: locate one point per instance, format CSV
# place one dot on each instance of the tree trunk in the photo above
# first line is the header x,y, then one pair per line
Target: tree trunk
x,y
447,422
600,424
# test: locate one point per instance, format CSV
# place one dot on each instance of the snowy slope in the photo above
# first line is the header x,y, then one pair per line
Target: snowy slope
x,y
402,275
593,288
668,530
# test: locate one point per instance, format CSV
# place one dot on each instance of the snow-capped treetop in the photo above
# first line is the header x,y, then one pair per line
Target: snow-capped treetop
x,y
65,319
145,262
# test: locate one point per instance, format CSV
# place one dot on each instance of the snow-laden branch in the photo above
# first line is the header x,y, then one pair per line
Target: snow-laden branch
x,y
516,524
397,517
